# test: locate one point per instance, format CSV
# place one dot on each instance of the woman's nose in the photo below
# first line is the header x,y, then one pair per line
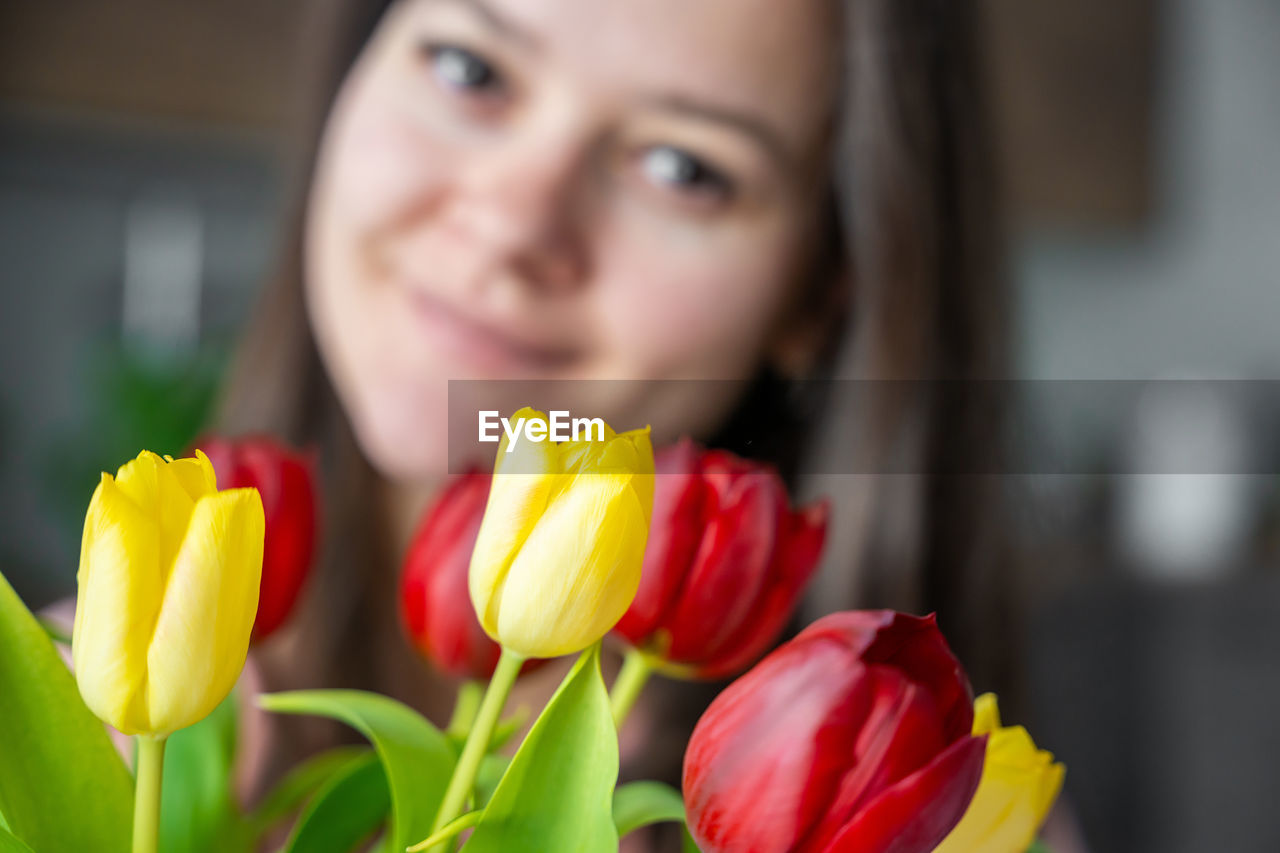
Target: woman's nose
x,y
520,209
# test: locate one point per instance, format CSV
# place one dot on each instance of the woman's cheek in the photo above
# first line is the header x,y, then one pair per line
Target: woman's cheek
x,y
692,314
386,167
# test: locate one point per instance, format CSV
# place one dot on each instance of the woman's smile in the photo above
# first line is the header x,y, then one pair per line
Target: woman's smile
x,y
483,345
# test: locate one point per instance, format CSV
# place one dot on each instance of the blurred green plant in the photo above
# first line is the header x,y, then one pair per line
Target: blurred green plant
x,y
133,399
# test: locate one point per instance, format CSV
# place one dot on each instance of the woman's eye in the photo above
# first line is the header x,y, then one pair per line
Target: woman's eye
x,y
670,166
459,68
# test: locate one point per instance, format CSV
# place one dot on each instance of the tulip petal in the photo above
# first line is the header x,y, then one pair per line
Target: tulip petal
x,y
768,754
577,571
1019,785
639,461
673,541
913,644
915,815
151,483
286,485
120,585
580,456
435,582
516,502
801,537
195,475
899,732
202,633
285,480
986,714
731,567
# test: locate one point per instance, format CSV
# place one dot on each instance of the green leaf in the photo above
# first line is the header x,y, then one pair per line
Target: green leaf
x,y
300,782
348,809
416,755
196,803
9,844
1039,847
558,792
642,803
63,786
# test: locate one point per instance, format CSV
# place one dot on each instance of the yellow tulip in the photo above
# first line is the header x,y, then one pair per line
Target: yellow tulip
x,y
168,590
558,557
1019,784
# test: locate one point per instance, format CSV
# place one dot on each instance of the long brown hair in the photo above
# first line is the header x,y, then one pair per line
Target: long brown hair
x,y
912,232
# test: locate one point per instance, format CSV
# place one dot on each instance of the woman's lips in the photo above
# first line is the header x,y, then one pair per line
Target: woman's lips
x,y
478,344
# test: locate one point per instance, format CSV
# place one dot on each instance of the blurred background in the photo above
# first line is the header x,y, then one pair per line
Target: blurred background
x,y
141,182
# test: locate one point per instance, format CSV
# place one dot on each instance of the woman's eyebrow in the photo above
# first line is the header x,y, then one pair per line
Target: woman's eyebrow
x,y
496,21
758,129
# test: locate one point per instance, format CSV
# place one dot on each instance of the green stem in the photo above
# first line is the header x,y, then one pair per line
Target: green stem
x,y
146,795
631,680
465,709
464,772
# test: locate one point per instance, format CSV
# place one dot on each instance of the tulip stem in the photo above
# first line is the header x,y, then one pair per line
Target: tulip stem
x,y
486,719
631,680
146,795
465,708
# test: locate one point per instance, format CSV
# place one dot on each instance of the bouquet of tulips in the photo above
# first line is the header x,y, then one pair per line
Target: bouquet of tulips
x,y
860,734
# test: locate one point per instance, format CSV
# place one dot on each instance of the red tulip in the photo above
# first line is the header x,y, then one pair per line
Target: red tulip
x,y
435,603
854,736
285,479
725,563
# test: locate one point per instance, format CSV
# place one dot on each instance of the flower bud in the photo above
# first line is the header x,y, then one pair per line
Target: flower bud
x,y
433,590
285,480
724,542
168,590
558,557
853,736
1018,787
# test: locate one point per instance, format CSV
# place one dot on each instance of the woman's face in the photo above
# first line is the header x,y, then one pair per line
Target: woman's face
x,y
565,189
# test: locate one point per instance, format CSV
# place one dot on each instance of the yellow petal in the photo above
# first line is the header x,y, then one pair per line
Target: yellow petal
x,y
526,458
986,714
1049,788
202,634
642,448
516,502
120,582
630,452
579,456
577,572
1019,785
150,482
195,475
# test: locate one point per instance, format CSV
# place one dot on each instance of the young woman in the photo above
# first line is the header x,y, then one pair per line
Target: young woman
x,y
763,194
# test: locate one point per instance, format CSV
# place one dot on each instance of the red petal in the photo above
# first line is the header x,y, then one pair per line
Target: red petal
x,y
674,536
285,481
435,601
764,760
913,644
899,734
730,570
917,813
801,541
